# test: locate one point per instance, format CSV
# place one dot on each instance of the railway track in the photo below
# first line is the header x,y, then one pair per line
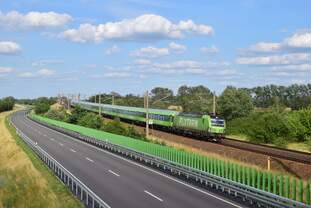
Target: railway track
x,y
274,152
277,152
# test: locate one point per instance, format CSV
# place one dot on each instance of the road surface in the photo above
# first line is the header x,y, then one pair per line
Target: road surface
x,y
118,181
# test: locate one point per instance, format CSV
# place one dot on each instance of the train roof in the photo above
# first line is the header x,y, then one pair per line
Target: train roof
x,y
137,109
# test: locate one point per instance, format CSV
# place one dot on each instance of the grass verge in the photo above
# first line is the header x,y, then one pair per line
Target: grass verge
x,y
25,181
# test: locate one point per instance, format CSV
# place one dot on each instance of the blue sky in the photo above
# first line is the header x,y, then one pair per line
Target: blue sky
x,y
130,46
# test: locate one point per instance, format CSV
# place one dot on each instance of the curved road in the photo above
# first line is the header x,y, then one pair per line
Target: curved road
x,y
118,181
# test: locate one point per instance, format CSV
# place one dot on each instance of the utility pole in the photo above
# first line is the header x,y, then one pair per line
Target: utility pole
x,y
147,113
214,103
99,108
68,102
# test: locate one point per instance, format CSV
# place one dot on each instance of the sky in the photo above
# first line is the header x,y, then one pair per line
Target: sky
x,y
130,46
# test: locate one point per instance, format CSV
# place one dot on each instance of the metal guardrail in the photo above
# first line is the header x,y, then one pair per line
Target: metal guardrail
x,y
78,188
246,193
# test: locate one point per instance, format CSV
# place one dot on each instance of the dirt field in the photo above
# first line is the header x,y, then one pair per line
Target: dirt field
x,y
299,170
24,181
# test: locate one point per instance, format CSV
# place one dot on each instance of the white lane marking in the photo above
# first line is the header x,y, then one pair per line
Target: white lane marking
x,y
139,165
110,171
72,150
89,159
61,144
154,196
52,139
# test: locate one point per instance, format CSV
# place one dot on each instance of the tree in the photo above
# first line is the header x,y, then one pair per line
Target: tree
x,y
161,97
76,114
198,99
42,105
234,103
7,104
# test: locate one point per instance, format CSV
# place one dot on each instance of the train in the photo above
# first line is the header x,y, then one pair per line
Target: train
x,y
206,127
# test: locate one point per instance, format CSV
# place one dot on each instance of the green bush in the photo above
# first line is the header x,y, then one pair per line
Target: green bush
x,y
114,127
90,120
59,115
273,127
76,114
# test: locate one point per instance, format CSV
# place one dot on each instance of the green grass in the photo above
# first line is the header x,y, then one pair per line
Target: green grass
x,y
21,190
264,180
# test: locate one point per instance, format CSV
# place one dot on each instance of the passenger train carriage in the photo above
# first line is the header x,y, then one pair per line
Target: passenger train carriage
x,y
206,127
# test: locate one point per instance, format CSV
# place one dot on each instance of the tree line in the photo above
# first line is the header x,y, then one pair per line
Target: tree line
x,y
7,104
231,103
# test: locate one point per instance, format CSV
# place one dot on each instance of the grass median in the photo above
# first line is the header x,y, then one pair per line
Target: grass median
x,y
25,181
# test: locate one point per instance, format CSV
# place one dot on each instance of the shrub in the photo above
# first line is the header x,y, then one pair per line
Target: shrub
x,y
76,114
115,127
90,120
60,115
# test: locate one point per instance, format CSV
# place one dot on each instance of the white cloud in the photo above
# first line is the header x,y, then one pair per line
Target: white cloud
x,y
178,48
9,48
142,62
227,72
114,49
117,74
286,59
46,72
181,67
299,40
212,50
14,19
301,67
150,52
265,47
4,70
39,73
141,28
26,75
41,63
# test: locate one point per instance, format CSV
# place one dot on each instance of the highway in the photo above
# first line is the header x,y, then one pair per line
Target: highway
x,y
118,181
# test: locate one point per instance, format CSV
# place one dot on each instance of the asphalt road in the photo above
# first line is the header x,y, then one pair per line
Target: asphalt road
x,y
118,181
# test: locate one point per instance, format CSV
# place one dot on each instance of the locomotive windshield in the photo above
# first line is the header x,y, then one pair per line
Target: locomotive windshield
x,y
218,122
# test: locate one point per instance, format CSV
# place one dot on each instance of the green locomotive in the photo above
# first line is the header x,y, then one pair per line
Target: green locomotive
x,y
207,127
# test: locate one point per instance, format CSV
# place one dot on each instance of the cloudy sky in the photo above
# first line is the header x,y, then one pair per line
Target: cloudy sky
x,y
87,46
